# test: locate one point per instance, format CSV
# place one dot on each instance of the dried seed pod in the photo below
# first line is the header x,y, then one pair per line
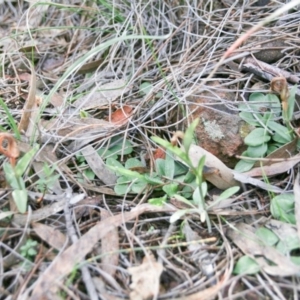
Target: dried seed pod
x,y
9,147
279,85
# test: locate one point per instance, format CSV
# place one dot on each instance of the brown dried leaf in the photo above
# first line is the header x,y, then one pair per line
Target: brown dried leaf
x,y
275,168
244,237
159,153
283,152
40,214
102,288
104,95
30,102
90,66
50,280
109,248
50,235
121,115
24,76
77,127
51,63
97,165
199,255
145,279
207,294
244,178
222,179
57,100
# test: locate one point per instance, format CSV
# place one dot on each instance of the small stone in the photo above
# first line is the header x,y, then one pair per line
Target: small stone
x,y
219,128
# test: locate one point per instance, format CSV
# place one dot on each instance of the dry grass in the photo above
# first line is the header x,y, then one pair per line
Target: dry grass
x,y
194,35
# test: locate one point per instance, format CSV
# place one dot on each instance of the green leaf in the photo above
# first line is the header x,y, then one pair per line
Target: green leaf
x,y
282,133
272,148
20,197
146,88
189,135
244,166
180,168
189,177
5,214
257,137
267,236
188,191
83,114
121,189
199,170
174,149
199,198
257,97
153,179
120,146
282,208
169,165
295,260
267,117
258,102
11,176
11,120
204,188
123,180
228,193
158,201
32,252
183,200
138,186
274,104
24,162
133,163
161,141
160,166
249,118
111,162
127,173
178,214
246,265
89,174
288,244
170,189
105,154
258,151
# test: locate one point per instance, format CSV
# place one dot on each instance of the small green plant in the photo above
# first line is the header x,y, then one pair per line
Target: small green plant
x,y
10,119
283,208
47,178
14,176
246,265
29,252
117,146
29,249
261,111
134,177
197,202
171,178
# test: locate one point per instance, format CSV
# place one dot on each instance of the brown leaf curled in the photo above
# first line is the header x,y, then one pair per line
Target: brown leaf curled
x,y
121,115
9,147
279,85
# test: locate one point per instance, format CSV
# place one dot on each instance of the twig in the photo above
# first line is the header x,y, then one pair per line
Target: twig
x,y
244,37
86,276
267,71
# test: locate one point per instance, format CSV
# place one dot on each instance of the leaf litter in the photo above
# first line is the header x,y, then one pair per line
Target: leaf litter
x,y
135,88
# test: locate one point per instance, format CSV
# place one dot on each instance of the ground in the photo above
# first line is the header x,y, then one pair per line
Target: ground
x,y
98,200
